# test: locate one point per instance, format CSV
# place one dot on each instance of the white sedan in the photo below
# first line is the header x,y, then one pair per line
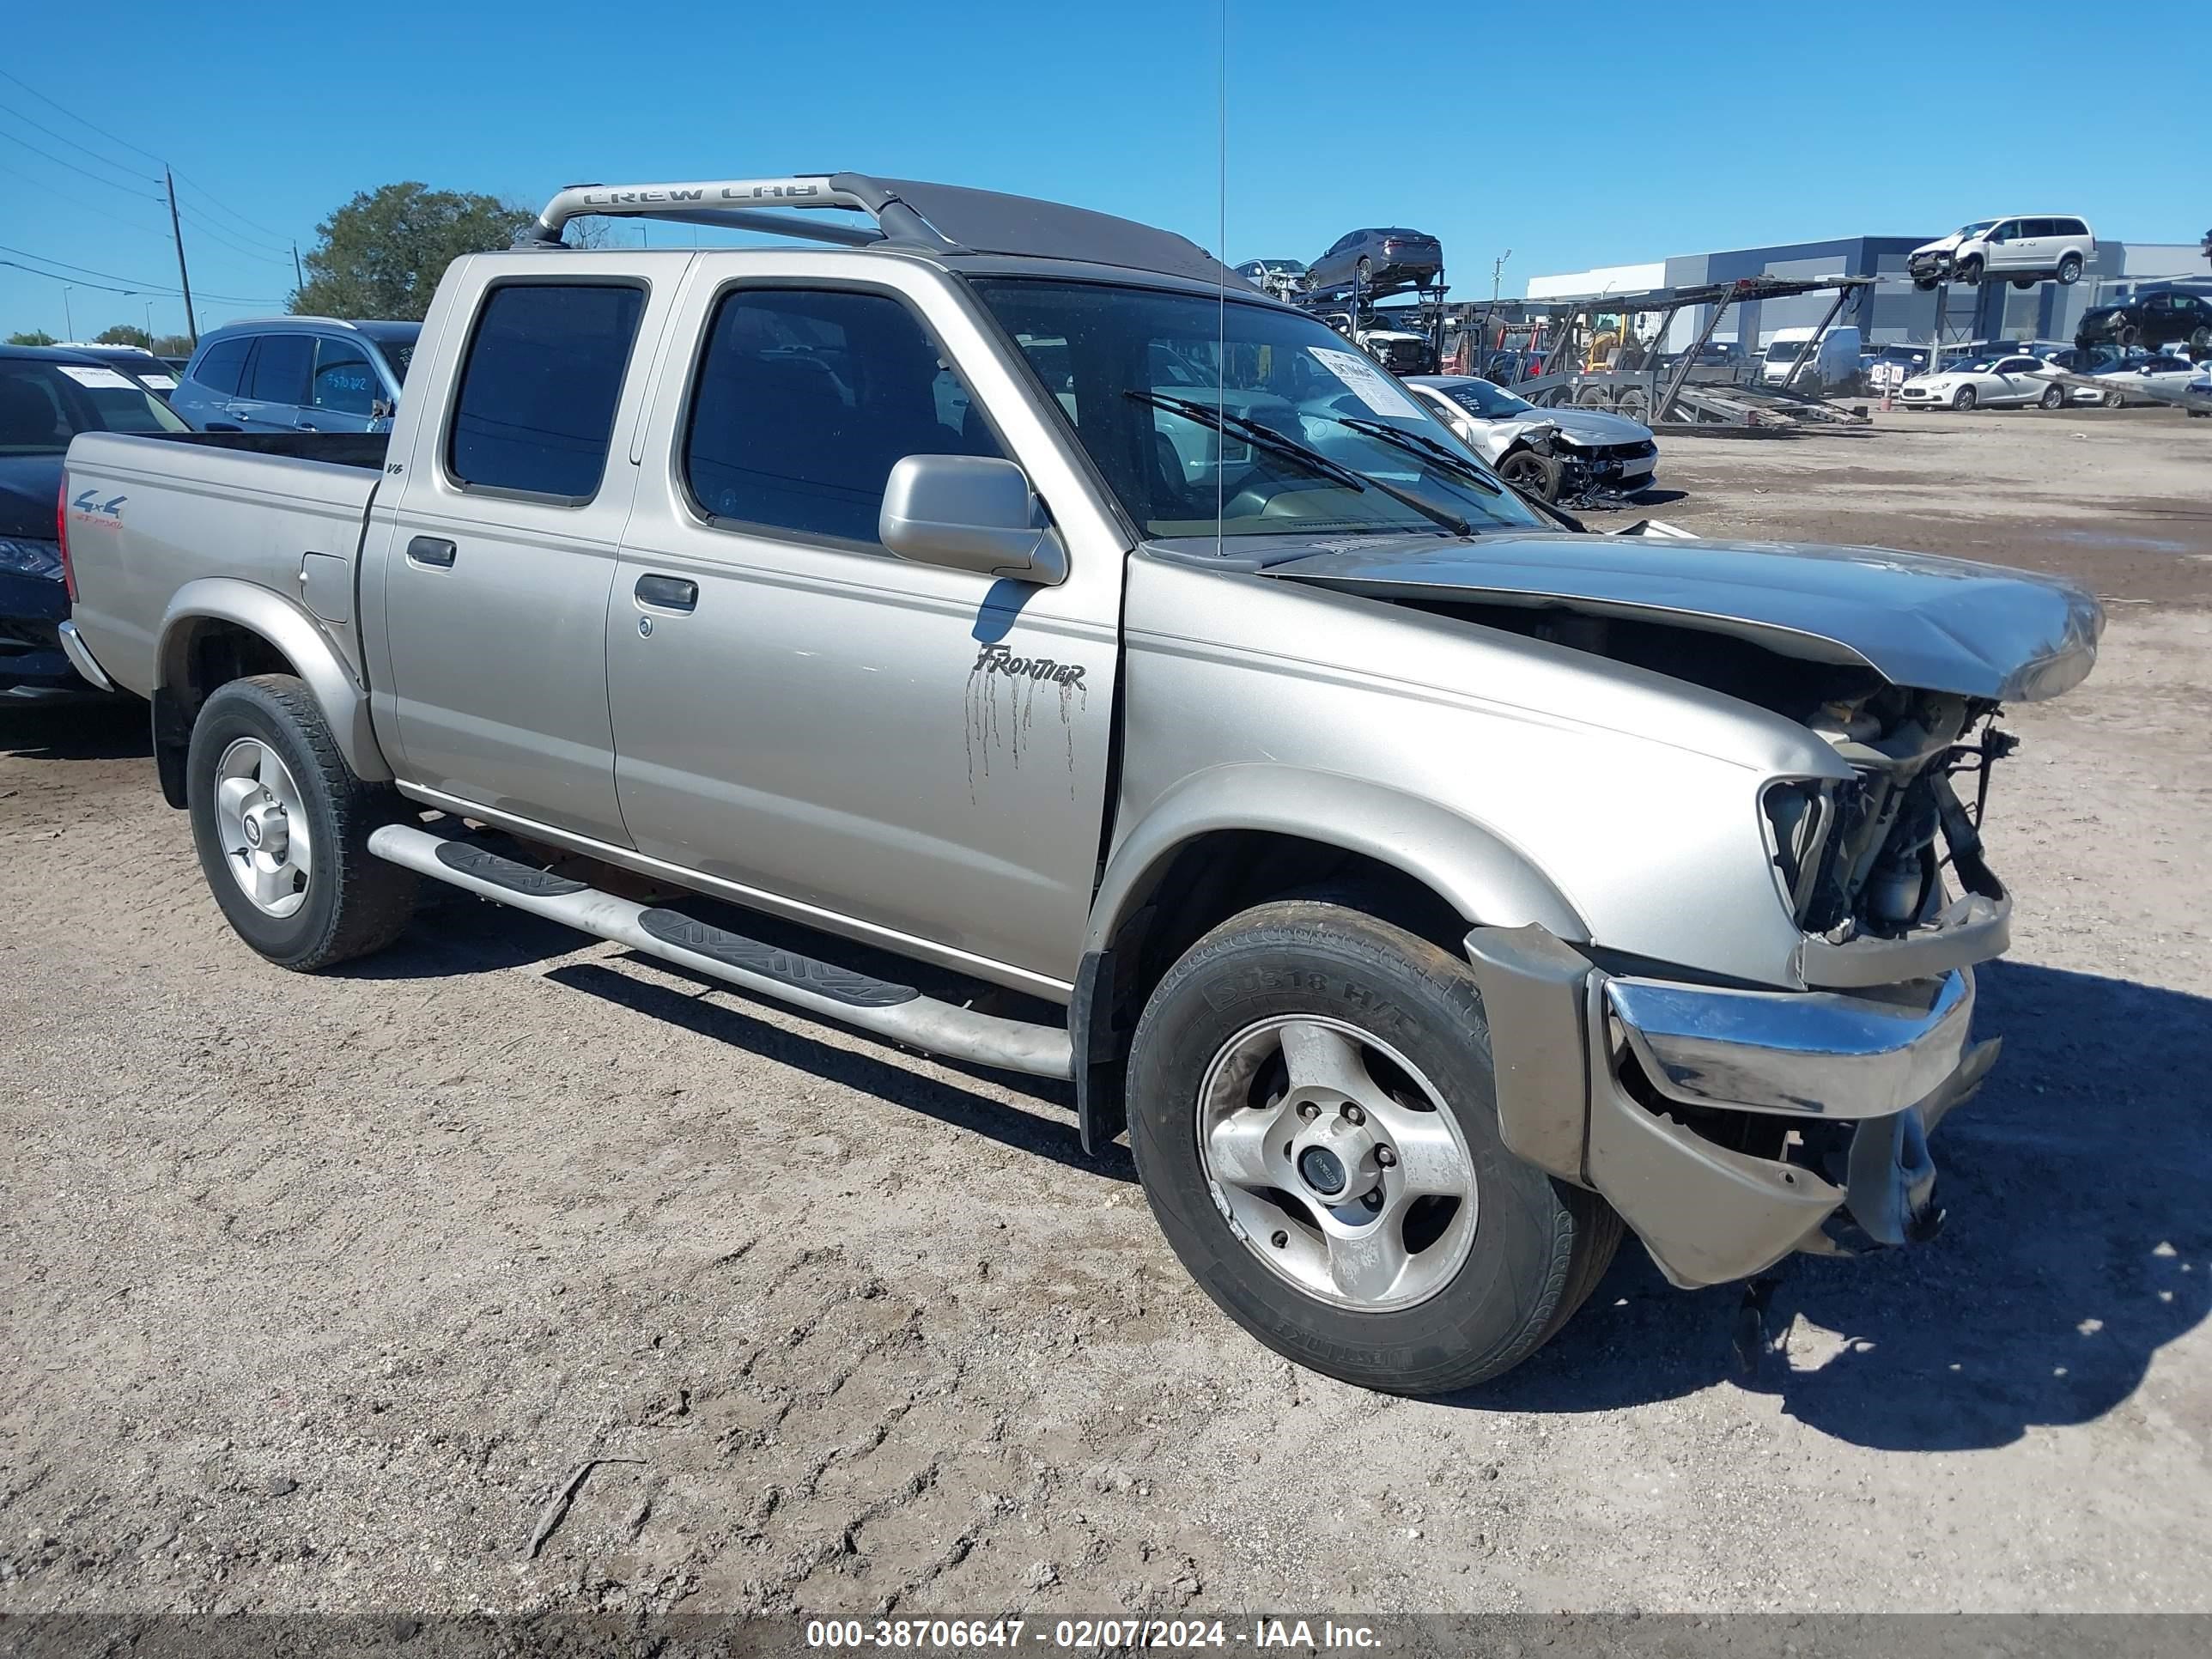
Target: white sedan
x,y
1985,382
2142,381
1559,454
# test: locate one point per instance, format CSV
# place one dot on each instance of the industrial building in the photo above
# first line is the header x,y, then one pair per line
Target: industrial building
x,y
1891,310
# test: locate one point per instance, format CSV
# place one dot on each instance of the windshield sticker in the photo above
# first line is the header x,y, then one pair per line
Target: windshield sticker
x,y
1367,383
161,382
101,377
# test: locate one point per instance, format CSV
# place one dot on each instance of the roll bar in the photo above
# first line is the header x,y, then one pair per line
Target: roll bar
x,y
748,205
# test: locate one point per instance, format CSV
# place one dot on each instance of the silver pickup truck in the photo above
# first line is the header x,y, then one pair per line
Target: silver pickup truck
x,y
1007,590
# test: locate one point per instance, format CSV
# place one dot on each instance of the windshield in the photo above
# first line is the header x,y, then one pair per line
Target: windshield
x,y
1785,351
1977,366
1490,402
1975,228
43,405
1101,351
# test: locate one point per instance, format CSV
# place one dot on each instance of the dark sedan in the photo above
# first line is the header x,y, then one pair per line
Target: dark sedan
x,y
47,397
1379,262
2165,317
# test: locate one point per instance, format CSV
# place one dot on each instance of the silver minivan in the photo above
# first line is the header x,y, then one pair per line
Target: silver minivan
x,y
296,374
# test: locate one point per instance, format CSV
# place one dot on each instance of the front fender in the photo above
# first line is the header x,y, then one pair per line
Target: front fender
x,y
1485,879
343,699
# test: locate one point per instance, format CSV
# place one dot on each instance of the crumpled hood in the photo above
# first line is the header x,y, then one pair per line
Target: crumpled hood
x,y
1939,624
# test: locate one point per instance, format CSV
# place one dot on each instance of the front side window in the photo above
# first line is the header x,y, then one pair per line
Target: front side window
x,y
1273,383
535,412
344,383
805,401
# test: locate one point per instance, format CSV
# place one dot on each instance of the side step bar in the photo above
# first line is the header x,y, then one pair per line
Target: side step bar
x,y
897,1012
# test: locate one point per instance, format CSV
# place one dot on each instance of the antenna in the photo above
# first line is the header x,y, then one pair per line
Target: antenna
x,y
1221,295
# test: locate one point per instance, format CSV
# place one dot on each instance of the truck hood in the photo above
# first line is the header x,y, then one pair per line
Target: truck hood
x,y
1937,624
29,486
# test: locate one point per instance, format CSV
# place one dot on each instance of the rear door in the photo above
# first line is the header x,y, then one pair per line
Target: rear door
x,y
498,552
915,753
2021,383
275,385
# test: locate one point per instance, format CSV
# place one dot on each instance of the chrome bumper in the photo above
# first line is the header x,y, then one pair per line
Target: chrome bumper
x,y
1568,1039
81,658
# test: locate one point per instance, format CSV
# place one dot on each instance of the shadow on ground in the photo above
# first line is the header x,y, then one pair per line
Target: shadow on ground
x,y
116,729
2078,1242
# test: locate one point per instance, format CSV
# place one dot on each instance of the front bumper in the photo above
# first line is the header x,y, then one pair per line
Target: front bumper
x,y
1728,1127
1923,266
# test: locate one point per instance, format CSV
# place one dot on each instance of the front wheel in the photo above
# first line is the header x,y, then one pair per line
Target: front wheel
x,y
1964,398
281,825
1314,1119
1969,271
2113,400
1540,475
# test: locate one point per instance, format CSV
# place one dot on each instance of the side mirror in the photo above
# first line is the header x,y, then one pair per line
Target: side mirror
x,y
970,513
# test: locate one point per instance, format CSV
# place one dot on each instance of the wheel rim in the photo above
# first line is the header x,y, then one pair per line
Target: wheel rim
x,y
1965,398
1295,1103
261,820
2053,397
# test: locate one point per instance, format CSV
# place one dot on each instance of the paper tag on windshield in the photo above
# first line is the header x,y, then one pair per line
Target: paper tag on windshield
x,y
84,376
161,382
1367,383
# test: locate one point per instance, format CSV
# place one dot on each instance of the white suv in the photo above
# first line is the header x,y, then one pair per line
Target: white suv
x,y
2027,248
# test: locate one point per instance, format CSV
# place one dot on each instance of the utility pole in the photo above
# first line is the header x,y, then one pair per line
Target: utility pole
x,y
184,276
1482,346
298,281
69,318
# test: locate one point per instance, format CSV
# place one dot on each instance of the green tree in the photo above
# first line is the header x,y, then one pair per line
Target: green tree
x,y
36,337
382,253
124,334
172,345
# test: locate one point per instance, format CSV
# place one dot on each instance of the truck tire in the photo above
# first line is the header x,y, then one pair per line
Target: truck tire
x,y
1313,1117
281,825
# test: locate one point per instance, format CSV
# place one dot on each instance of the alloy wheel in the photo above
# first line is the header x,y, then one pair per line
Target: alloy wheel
x,y
261,820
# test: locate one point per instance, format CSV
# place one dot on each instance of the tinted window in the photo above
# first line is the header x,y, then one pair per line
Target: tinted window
x,y
2013,365
2070,227
804,402
2040,227
43,403
281,364
220,365
345,382
537,402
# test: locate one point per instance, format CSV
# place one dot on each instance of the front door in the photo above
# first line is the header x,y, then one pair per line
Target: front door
x,y
343,390
913,753
500,556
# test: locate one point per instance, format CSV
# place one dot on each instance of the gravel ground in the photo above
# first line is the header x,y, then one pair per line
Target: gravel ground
x,y
318,1292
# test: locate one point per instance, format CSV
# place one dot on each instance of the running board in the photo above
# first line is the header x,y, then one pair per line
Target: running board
x,y
897,1012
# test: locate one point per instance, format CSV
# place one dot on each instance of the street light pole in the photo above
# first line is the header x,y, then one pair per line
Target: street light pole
x,y
69,320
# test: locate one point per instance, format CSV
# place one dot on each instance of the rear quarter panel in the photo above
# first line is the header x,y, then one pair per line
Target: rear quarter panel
x,y
147,515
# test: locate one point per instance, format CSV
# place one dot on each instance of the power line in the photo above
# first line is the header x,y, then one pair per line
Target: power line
x,y
255,244
138,287
73,167
59,194
74,143
80,121
206,229
212,201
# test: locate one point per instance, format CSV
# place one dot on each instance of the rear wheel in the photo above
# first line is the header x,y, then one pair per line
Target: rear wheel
x,y
2070,269
1964,398
2053,397
1532,474
282,825
2113,400
1635,404
2200,339
1594,397
1313,1117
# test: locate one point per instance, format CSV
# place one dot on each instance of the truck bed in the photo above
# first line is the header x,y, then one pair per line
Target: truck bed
x,y
149,516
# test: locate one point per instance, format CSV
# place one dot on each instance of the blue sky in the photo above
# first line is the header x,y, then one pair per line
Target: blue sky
x,y
1505,127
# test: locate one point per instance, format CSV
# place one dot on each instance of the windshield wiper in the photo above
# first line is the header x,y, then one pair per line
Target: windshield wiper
x,y
1266,437
1419,443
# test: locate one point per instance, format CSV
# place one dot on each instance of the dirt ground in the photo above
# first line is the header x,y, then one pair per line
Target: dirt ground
x,y
316,1291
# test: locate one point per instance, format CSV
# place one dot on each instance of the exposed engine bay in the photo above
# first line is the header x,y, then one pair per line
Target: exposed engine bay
x,y
1877,857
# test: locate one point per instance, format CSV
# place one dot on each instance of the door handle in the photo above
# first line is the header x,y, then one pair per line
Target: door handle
x,y
667,593
431,550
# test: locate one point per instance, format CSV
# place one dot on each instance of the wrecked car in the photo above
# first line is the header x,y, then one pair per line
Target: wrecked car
x,y
1565,454
1431,894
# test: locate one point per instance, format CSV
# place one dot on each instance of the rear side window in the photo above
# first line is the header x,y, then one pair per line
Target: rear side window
x,y
535,407
281,364
804,402
221,364
2070,228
